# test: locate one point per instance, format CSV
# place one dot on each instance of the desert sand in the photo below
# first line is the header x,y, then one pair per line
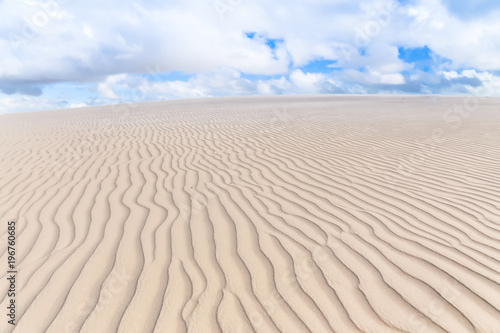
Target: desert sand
x,y
257,214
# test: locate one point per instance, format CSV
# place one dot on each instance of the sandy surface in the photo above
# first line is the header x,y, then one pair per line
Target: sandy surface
x,y
267,214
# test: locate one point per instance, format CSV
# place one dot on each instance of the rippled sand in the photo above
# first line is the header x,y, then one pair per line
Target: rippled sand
x,y
259,214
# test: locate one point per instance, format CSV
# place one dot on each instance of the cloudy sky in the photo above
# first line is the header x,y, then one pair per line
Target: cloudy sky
x,y
69,53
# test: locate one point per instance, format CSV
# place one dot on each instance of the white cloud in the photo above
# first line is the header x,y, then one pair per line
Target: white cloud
x,y
490,83
312,83
10,104
106,91
395,78
222,82
106,88
94,41
78,105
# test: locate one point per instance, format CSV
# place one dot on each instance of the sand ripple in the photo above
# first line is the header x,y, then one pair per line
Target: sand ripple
x,y
285,214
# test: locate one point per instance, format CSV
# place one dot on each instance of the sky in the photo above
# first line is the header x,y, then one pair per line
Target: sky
x,y
68,53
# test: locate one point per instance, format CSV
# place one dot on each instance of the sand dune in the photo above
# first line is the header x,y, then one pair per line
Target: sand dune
x,y
259,214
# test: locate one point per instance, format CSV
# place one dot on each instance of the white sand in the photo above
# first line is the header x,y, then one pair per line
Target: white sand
x,y
267,214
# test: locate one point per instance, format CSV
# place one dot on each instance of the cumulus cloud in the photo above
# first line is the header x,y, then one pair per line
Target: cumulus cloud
x,y
478,83
10,104
245,47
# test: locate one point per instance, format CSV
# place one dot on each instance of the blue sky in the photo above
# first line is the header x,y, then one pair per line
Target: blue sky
x,y
67,53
